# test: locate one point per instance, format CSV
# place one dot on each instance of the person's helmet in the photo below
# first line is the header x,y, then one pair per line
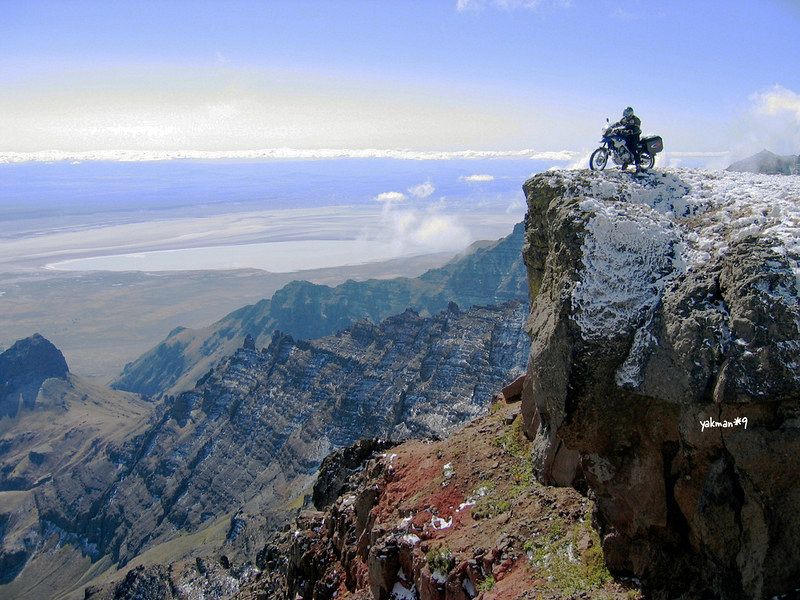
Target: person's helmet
x,y
628,112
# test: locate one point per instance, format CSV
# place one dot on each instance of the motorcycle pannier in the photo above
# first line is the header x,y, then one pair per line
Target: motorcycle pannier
x,y
653,144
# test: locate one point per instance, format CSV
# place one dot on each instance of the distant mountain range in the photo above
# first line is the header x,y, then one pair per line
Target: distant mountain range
x,y
487,274
768,163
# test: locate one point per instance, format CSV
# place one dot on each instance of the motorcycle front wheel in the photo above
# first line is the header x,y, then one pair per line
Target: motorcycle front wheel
x,y
646,161
598,159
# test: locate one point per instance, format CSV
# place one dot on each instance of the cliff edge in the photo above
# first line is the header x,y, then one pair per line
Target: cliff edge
x,y
664,373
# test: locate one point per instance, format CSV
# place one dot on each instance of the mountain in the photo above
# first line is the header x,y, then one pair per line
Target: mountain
x,y
66,426
428,520
23,368
220,466
486,275
663,374
768,163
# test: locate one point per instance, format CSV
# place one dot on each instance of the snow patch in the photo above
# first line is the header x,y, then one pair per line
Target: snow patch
x,y
401,592
641,231
464,505
626,263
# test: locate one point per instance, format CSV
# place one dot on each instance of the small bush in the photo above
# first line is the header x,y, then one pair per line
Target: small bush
x,y
513,440
555,556
440,560
486,584
489,507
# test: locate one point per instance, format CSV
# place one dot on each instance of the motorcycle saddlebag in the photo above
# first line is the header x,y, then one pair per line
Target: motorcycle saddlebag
x,y
653,144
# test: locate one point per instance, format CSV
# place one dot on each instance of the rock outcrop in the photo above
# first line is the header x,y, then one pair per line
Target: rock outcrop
x,y
488,274
767,163
664,373
66,440
441,520
23,368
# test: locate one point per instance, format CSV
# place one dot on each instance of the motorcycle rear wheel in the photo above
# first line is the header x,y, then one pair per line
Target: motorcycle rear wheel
x,y
598,160
646,161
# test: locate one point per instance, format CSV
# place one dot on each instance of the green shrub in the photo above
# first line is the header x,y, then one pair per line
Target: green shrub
x,y
513,440
486,584
440,560
554,555
489,507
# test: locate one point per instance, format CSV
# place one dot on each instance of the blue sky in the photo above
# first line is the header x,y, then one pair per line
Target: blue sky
x,y
449,75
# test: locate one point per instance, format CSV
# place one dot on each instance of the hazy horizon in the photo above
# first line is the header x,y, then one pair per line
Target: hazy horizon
x,y
485,75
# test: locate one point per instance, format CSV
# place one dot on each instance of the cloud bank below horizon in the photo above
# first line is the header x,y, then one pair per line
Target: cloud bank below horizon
x,y
279,153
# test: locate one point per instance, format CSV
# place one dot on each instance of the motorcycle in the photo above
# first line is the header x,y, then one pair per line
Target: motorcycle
x,y
614,147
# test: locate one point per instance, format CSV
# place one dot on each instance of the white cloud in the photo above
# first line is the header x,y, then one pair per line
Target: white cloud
x,y
423,190
276,153
478,178
415,231
440,231
772,122
419,231
222,107
581,161
778,101
515,206
390,197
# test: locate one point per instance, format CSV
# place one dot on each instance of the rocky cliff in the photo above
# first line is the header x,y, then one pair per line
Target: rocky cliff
x,y
257,427
70,427
23,368
664,373
222,464
456,519
488,274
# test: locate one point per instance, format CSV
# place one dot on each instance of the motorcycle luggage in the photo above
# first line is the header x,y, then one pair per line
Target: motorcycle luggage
x,y
653,143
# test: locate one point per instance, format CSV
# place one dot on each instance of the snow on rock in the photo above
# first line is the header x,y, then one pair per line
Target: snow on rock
x,y
440,523
642,231
401,592
624,266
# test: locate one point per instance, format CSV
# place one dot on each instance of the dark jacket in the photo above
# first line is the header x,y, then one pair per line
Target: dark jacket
x,y
631,125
